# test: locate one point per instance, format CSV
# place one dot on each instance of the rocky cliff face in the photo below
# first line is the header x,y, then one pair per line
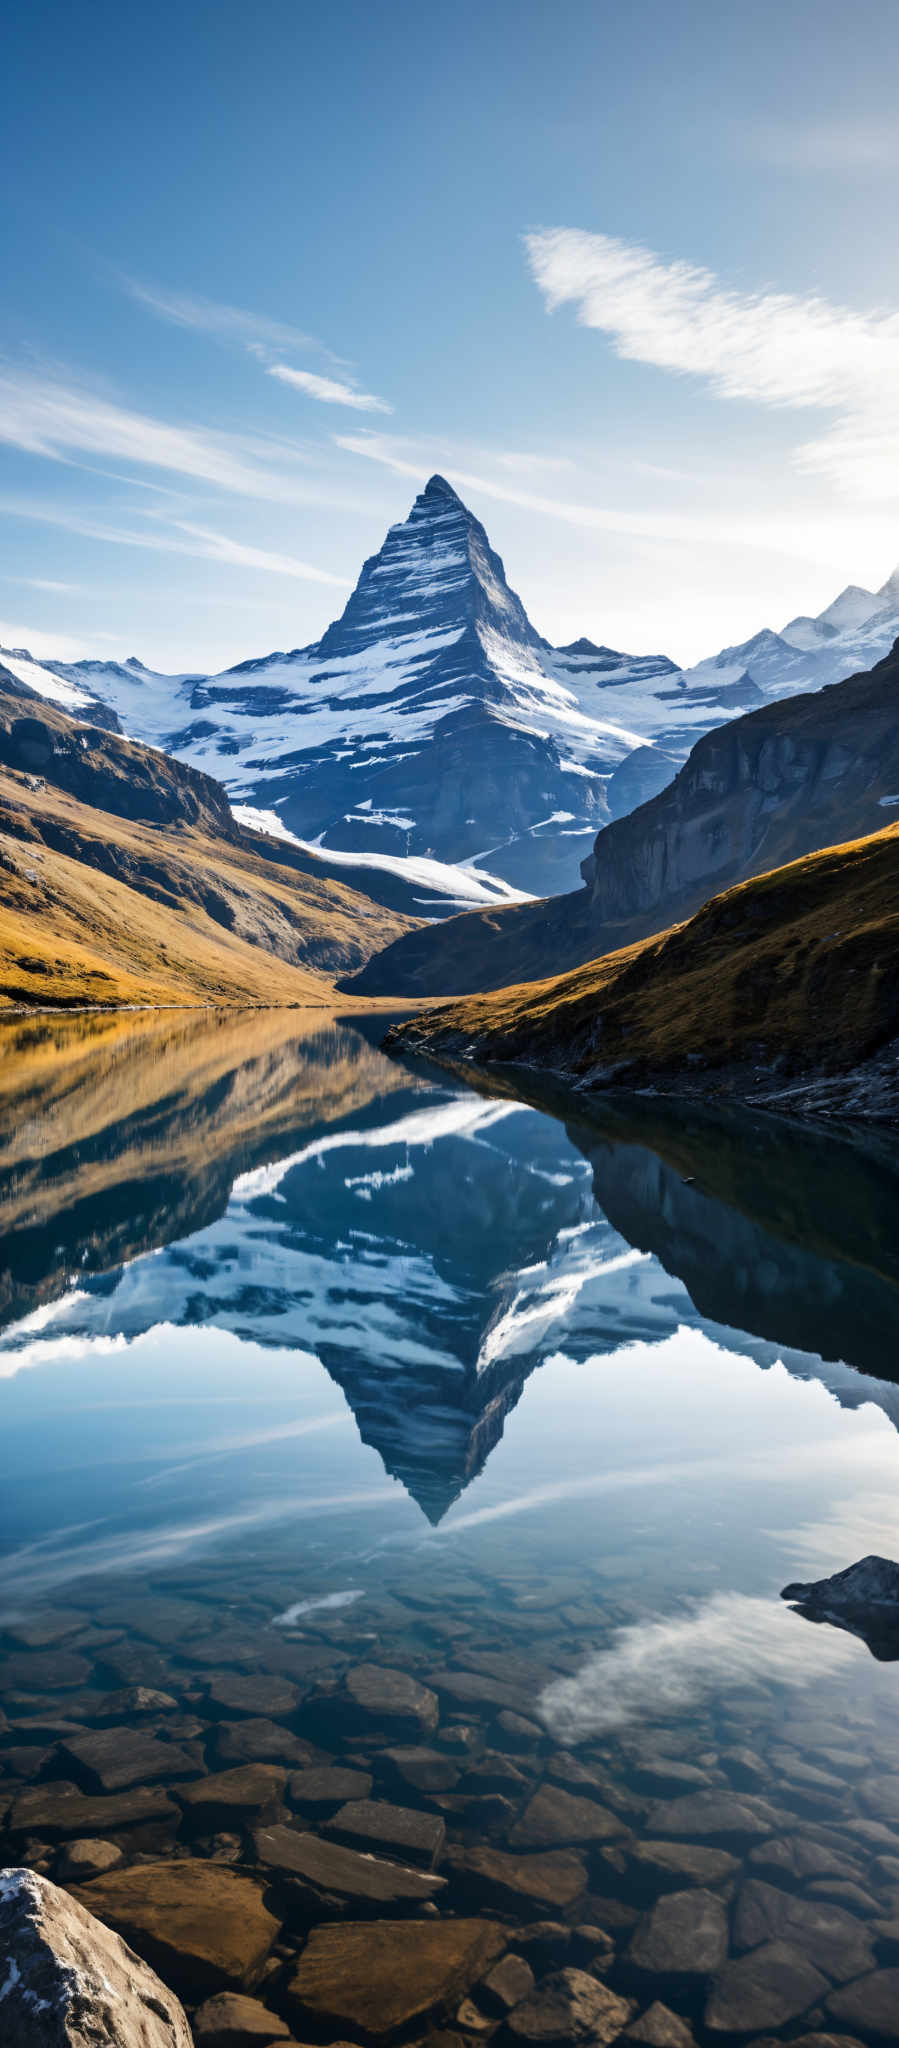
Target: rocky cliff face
x,y
753,795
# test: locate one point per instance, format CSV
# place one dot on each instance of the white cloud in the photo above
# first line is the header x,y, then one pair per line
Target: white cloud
x,y
328,390
47,417
774,349
658,1668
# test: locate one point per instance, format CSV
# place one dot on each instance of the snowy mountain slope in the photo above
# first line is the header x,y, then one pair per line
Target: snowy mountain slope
x,y
431,722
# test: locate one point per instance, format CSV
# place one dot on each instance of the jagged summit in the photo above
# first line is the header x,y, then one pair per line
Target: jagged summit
x,y
437,487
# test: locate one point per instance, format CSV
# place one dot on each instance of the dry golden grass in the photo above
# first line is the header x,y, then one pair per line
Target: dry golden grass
x,y
802,962
186,918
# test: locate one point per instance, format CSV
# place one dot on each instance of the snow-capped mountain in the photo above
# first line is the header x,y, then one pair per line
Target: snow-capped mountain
x,y
432,723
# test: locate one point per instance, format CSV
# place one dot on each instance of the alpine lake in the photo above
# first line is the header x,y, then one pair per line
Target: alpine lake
x,y
399,1475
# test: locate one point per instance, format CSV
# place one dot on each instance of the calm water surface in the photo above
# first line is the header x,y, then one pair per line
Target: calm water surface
x,y
311,1361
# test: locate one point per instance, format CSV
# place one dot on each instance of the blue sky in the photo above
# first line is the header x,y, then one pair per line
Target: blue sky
x,y
629,277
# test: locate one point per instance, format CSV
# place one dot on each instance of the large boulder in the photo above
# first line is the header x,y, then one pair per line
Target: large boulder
x,y
66,1981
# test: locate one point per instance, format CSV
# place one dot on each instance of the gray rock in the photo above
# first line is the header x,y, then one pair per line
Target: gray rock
x,y
508,1983
79,1860
328,1785
112,1759
66,1981
236,1798
684,1935
677,1862
863,1599
339,1873
230,2020
658,2027
519,1732
802,1857
771,1985
834,1940
871,2004
426,1770
257,1740
708,1814
402,1830
554,1879
392,1699
555,1817
58,1809
571,2007
259,1693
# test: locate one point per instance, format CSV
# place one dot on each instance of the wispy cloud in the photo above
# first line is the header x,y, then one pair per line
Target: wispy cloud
x,y
329,390
181,537
774,349
833,144
65,421
261,337
816,536
659,1668
227,323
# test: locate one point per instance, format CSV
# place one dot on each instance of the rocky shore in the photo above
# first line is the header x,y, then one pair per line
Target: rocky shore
x,y
389,1824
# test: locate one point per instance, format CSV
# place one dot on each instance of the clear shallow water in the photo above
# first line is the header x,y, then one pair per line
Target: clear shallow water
x,y
310,1359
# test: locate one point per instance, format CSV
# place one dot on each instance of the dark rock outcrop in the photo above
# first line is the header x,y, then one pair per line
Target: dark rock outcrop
x,y
863,1599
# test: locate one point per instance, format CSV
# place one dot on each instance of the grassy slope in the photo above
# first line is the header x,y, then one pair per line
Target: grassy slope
x,y
800,965
199,919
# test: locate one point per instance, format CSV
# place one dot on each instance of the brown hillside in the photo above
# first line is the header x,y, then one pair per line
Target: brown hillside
x,y
172,904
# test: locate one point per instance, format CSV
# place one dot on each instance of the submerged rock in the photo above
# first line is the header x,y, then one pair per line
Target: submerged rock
x,y
231,2021
863,1599
684,1935
571,2007
203,1925
339,1874
379,1975
66,1981
772,1984
379,1697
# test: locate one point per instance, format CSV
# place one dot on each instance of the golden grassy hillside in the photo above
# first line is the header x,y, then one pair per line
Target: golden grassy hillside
x,y
121,1131
798,967
96,908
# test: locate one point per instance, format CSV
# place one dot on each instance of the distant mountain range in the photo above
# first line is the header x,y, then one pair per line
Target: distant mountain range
x,y
433,734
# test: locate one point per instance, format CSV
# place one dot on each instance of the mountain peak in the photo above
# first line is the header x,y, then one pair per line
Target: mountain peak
x,y
437,487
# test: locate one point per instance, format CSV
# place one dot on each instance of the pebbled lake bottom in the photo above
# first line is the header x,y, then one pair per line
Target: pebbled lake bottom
x,y
398,1482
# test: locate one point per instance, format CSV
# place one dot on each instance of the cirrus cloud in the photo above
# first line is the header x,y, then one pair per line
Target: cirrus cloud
x,y
770,348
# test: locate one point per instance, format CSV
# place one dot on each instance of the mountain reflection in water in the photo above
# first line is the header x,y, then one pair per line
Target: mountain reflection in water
x,y
430,1244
